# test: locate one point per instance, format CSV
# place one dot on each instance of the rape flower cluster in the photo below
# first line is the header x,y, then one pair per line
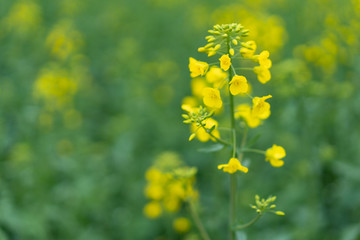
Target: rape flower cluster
x,y
224,79
169,183
210,84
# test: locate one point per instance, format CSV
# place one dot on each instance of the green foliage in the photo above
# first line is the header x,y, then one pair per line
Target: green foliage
x,y
73,153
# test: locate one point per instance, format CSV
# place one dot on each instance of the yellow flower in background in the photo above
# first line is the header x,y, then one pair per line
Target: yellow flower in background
x,y
263,74
55,87
232,166
23,16
201,133
274,155
261,109
181,225
215,76
238,84
248,49
153,210
244,111
263,59
63,40
197,68
197,86
212,98
225,62
154,191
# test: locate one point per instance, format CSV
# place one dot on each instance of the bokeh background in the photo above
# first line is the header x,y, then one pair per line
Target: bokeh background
x,y
90,96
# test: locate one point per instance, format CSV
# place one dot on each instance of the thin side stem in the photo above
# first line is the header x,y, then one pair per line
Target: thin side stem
x,y
253,150
198,222
239,227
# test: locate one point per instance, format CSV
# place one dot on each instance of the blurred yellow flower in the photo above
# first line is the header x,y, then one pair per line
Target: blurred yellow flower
x,y
212,98
274,155
238,84
215,76
232,166
23,16
261,109
248,49
244,111
197,86
153,210
263,74
197,68
263,59
181,225
225,62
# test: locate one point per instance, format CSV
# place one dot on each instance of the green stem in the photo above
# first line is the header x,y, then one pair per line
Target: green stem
x,y
198,222
253,150
239,227
233,182
219,140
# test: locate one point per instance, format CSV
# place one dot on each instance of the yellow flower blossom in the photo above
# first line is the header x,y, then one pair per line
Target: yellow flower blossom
x,y
244,111
212,98
263,74
215,76
197,68
238,84
197,86
274,155
201,133
181,225
248,49
233,166
153,210
154,191
225,62
263,59
261,109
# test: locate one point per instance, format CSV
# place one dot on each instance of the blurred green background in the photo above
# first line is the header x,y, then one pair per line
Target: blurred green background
x,y
90,95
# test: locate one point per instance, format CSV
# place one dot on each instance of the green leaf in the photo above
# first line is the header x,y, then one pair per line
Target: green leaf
x,y
212,148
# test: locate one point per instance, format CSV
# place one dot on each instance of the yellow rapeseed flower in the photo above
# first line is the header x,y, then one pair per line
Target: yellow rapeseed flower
x,y
232,166
215,76
153,210
197,68
201,133
212,98
248,49
181,225
238,84
263,59
225,62
263,74
244,111
261,109
274,155
197,86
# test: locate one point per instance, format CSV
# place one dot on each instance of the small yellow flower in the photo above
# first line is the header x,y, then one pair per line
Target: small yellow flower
x,y
153,210
248,50
274,155
244,111
201,133
225,62
215,76
181,225
197,68
212,98
261,109
233,166
238,85
197,86
263,59
263,74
